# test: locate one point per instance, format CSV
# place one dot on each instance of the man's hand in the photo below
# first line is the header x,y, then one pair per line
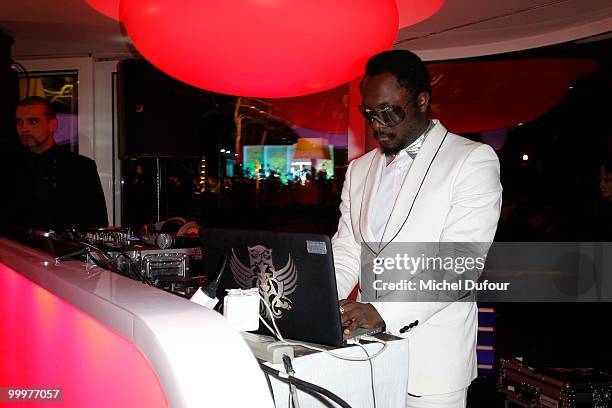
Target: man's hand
x,y
354,314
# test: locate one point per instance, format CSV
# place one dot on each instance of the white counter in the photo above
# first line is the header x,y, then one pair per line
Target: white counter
x,y
198,359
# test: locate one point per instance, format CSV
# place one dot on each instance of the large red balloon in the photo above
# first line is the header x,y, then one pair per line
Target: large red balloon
x,y
485,95
261,48
410,11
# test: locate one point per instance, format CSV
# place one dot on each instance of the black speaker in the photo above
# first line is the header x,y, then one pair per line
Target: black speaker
x,y
158,115
9,93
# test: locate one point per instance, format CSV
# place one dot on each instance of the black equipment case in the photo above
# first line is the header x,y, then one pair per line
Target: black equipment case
x,y
532,384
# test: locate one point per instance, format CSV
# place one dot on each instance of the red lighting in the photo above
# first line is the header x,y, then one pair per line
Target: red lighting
x,y
481,96
45,343
322,111
269,49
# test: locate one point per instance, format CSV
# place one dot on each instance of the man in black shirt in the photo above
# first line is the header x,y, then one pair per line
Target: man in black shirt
x,y
53,187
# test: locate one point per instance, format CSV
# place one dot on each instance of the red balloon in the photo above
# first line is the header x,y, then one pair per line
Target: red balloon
x,y
261,48
415,11
410,11
480,96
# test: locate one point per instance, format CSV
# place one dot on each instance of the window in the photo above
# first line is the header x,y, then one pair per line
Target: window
x,y
61,89
275,164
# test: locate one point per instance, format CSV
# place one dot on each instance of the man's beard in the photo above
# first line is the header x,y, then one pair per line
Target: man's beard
x,y
390,136
396,142
31,143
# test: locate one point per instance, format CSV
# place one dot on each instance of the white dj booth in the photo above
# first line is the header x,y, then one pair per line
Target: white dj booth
x,y
107,340
351,380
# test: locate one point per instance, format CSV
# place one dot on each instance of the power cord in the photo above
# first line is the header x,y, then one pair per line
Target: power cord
x,y
137,272
267,375
105,258
303,385
292,390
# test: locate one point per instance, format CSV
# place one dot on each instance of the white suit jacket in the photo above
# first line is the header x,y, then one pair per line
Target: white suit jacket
x,y
459,201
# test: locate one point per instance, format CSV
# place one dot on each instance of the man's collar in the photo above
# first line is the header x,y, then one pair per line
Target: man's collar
x,y
413,149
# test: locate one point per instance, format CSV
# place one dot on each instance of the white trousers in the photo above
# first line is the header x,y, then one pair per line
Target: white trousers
x,y
455,399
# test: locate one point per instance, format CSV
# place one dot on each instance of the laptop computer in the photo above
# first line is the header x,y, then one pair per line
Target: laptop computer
x,y
294,273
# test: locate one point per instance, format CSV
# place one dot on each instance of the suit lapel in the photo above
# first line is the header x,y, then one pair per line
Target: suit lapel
x,y
369,194
412,182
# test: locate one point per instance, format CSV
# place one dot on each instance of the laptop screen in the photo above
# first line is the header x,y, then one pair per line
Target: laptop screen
x,y
293,271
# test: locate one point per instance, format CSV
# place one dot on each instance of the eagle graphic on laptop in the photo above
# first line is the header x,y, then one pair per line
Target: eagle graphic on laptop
x,y
275,285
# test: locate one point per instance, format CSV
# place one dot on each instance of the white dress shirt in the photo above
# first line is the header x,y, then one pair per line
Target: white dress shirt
x,y
392,177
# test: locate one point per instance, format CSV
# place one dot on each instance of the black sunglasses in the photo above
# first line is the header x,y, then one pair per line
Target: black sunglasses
x,y
388,116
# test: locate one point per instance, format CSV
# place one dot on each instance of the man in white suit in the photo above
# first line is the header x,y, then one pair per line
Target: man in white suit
x,y
423,184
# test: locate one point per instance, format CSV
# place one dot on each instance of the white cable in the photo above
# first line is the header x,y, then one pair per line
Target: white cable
x,y
268,326
371,375
277,333
294,396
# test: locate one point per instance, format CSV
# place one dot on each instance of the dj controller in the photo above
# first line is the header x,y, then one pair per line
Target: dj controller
x,y
167,255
